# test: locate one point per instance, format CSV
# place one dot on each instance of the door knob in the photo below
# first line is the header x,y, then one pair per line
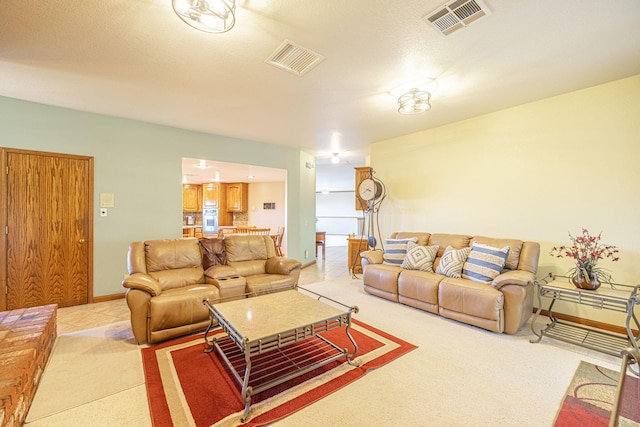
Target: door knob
x,y
81,240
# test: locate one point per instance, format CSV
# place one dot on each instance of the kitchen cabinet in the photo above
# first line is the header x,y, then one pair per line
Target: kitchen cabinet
x,y
237,197
211,195
191,197
192,232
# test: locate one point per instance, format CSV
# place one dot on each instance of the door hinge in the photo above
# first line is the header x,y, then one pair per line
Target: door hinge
x,y
6,229
7,170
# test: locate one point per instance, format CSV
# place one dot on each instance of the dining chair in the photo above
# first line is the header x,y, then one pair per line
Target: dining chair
x,y
278,241
259,231
244,229
226,231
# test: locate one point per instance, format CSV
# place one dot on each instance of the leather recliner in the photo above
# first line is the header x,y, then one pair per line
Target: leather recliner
x,y
169,279
165,289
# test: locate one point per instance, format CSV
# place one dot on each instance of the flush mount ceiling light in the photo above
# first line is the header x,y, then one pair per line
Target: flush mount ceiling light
x,y
413,102
213,16
335,159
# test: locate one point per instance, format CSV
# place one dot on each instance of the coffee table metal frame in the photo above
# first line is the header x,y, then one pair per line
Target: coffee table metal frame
x,y
622,298
259,363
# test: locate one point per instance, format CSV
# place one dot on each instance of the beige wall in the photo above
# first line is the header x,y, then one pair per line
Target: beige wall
x,y
533,172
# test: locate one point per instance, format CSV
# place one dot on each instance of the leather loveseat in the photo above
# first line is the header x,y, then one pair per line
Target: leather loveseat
x,y
503,304
169,279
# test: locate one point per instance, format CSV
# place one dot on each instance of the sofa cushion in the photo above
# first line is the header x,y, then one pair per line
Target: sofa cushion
x,y
382,280
452,261
178,278
183,306
395,250
213,252
419,289
419,257
245,248
456,241
422,237
259,284
471,302
484,263
172,254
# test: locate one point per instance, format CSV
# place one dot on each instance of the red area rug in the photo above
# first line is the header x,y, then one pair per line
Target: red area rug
x,y
590,397
186,386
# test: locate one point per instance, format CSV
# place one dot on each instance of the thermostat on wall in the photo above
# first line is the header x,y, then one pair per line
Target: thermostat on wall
x,y
106,200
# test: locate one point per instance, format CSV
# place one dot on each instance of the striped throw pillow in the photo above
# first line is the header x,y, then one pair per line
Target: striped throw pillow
x,y
484,263
452,261
420,257
395,250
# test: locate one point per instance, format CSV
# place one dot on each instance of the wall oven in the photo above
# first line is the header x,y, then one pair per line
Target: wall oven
x,y
210,221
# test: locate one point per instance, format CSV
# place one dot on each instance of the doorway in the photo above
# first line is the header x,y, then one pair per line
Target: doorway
x,y
47,254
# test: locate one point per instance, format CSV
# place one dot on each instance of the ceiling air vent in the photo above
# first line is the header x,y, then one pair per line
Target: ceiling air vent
x,y
456,15
293,58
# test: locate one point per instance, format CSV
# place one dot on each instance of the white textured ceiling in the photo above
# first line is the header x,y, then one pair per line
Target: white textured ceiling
x,y
137,59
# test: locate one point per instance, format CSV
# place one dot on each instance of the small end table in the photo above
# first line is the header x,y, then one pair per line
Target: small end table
x,y
622,298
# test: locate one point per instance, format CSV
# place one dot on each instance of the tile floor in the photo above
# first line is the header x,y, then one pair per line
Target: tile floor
x,y
79,317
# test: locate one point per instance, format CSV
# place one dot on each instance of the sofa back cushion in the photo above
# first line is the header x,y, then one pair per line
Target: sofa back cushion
x,y
163,255
456,241
174,263
249,268
245,248
421,238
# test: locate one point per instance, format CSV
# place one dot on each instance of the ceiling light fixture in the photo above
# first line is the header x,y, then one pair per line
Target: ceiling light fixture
x,y
335,159
212,16
413,102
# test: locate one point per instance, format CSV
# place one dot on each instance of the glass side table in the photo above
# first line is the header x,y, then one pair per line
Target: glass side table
x,y
622,298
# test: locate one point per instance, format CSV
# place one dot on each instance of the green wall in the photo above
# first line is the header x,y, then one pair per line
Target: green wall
x,y
141,164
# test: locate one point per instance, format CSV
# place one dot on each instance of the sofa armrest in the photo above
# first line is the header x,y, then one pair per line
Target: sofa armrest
x,y
219,271
143,282
514,277
279,265
371,257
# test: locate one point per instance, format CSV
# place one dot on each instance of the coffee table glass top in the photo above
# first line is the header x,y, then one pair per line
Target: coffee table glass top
x,y
250,319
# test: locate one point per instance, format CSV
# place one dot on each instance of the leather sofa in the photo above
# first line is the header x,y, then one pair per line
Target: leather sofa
x,y
504,304
169,279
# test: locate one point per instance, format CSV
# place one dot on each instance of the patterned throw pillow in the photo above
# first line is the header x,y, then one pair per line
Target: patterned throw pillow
x,y
419,257
452,261
484,263
395,250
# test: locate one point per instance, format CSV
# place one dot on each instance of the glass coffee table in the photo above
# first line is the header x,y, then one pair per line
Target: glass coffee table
x,y
270,339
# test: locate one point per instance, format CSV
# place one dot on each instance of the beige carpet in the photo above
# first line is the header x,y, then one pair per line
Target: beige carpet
x,y
87,366
459,375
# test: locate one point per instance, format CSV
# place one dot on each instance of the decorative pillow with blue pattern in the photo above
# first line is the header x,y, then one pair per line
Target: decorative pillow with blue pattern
x,y
484,263
452,261
420,257
395,250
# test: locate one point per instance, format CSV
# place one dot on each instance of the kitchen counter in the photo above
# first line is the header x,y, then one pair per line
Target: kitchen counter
x,y
191,231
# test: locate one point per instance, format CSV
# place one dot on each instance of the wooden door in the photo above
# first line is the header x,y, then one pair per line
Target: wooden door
x,y
48,229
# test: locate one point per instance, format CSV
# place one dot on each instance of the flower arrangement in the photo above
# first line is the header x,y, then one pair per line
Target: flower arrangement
x,y
587,250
